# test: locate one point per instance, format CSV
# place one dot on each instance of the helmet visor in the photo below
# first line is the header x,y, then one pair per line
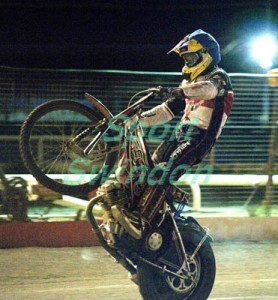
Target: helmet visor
x,y
191,58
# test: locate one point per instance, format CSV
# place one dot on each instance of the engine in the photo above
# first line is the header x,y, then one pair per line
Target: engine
x,y
154,240
112,193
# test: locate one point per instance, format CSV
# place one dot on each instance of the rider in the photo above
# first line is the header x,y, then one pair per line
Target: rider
x,y
205,97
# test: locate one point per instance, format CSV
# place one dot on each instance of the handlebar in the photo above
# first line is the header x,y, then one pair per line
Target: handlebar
x,y
154,90
138,103
151,90
132,109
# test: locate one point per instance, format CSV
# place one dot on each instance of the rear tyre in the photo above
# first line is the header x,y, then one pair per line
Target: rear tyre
x,y
44,147
157,286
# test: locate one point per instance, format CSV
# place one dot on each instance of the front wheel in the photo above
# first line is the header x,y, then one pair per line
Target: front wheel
x,y
156,285
52,142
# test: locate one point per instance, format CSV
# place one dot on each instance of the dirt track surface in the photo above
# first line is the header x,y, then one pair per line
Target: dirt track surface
x,y
245,270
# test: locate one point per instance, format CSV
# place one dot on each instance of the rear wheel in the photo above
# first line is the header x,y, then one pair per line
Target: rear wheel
x,y
155,285
49,151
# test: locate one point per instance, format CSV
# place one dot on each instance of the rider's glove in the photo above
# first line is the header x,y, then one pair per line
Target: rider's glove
x,y
163,93
169,93
178,93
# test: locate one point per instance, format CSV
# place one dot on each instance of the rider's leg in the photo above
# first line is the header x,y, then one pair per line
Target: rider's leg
x,y
163,151
185,155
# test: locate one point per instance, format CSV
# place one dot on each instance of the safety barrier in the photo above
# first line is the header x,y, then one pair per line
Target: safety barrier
x,y
195,182
247,145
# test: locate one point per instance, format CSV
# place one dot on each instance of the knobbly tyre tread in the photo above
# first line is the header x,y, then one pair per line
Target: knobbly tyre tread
x,y
29,161
146,274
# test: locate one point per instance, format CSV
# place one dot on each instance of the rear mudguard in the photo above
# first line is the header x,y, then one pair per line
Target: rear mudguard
x,y
189,224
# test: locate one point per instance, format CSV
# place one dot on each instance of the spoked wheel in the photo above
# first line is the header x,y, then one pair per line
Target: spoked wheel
x,y
195,285
52,143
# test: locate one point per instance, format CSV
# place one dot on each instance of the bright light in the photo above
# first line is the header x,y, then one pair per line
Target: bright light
x,y
264,49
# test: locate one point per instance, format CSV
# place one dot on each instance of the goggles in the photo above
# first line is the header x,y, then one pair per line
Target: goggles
x,y
191,58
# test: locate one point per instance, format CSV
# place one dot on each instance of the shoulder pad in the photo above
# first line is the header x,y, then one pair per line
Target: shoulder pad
x,y
220,74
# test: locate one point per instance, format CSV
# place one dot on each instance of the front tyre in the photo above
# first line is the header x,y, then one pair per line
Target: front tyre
x,y
155,285
47,152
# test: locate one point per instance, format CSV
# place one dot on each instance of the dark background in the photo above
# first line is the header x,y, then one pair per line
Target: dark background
x,y
128,35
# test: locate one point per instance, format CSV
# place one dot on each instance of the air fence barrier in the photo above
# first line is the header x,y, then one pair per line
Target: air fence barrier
x,y
242,166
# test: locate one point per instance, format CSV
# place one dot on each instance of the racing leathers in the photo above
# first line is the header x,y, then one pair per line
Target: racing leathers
x,y
206,104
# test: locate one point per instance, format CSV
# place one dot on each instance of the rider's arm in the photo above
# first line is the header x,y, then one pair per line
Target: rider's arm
x,y
166,111
159,114
201,90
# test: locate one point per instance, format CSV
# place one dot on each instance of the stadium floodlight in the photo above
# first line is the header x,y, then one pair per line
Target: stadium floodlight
x,y
264,50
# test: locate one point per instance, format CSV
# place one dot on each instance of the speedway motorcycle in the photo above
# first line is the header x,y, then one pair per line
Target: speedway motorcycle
x,y
91,150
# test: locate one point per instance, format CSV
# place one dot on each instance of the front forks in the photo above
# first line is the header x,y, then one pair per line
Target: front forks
x,y
180,248
100,129
184,258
